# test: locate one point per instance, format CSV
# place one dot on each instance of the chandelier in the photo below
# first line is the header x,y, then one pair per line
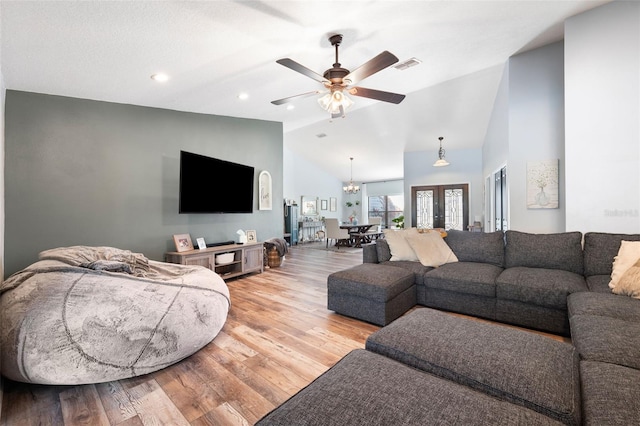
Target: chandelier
x,y
440,162
351,188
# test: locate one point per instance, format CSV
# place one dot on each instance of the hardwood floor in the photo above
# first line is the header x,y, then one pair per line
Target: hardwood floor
x,y
278,337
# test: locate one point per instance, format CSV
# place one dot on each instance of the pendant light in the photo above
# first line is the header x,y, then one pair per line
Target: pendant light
x,y
441,162
351,188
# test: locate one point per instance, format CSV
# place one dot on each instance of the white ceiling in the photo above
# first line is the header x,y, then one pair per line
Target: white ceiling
x,y
213,50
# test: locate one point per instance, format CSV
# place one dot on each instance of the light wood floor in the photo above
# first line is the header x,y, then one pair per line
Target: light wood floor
x,y
278,337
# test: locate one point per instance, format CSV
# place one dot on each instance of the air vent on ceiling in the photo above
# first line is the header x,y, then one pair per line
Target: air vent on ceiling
x,y
408,64
321,135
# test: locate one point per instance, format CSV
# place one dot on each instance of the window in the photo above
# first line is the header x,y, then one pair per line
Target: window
x,y
388,207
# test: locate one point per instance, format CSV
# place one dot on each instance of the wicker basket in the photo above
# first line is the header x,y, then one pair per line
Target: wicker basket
x,y
273,258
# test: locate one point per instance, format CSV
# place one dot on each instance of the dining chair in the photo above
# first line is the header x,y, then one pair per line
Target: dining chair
x,y
376,221
334,232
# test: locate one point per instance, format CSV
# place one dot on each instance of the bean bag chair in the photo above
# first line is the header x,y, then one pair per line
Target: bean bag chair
x,y
96,314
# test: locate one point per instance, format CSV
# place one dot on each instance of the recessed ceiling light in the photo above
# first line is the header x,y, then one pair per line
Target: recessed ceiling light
x,y
161,78
290,107
243,96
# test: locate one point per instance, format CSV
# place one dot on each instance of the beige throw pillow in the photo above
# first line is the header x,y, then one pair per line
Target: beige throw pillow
x,y
398,245
628,254
431,249
629,283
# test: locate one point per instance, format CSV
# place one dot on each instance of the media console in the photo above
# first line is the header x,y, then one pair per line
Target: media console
x,y
247,258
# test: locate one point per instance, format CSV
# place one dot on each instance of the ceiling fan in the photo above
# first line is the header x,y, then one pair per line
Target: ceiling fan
x,y
339,80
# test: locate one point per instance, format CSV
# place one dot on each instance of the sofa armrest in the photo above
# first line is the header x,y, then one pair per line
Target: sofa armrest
x,y
369,253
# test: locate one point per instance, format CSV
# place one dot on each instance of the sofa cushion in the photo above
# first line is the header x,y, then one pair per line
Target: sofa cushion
x,y
382,249
606,339
598,283
482,247
600,249
398,245
628,282
370,281
549,251
605,305
542,287
464,277
431,249
417,268
367,389
610,394
514,365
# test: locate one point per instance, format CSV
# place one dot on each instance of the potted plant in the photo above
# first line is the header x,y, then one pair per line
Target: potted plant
x,y
349,204
399,221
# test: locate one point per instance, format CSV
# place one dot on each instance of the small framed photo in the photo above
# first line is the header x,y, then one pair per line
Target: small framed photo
x,y
323,204
183,242
251,236
201,244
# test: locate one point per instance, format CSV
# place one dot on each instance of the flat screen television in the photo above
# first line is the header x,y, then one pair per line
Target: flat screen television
x,y
211,185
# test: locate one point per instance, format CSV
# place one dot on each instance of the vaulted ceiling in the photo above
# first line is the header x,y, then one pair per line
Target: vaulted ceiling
x,y
214,50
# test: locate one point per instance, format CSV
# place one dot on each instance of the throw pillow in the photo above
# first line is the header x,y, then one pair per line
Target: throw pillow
x,y
628,254
398,245
629,282
431,249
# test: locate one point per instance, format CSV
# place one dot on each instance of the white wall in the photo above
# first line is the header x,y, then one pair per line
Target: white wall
x,y
602,94
2,98
465,167
495,149
536,132
304,178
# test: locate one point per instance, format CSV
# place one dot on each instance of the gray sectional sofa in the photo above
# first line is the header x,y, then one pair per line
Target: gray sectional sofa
x,y
513,277
428,367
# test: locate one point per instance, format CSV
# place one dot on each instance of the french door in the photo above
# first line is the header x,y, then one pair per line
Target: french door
x,y
441,206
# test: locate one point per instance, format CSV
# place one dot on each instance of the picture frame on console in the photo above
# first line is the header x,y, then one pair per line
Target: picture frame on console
x,y
251,236
201,243
183,242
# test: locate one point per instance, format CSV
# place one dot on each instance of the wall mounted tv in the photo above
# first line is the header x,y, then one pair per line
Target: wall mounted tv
x,y
211,185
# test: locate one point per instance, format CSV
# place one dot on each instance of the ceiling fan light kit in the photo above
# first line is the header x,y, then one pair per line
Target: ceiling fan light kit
x,y
337,80
441,162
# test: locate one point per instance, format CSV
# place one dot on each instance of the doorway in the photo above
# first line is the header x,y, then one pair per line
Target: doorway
x,y
440,206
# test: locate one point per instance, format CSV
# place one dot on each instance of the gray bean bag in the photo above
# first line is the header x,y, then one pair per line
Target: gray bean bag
x,y
96,314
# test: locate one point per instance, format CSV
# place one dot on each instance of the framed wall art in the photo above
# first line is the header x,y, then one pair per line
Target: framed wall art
x,y
323,205
264,191
542,184
309,206
333,204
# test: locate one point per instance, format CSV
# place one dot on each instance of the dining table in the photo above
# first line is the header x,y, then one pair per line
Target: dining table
x,y
359,233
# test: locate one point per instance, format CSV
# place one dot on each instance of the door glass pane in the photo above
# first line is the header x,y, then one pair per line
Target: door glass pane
x,y
424,207
453,211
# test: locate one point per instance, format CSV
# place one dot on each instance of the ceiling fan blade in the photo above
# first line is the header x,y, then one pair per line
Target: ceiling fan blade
x,y
371,67
379,95
290,63
291,98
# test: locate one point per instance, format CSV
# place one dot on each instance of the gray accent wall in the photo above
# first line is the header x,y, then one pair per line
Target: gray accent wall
x,y
82,172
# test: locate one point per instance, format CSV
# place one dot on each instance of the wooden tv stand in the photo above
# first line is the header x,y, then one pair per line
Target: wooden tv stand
x,y
247,258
